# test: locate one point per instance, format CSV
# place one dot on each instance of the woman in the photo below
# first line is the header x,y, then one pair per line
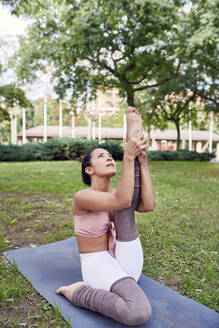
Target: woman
x,y
111,268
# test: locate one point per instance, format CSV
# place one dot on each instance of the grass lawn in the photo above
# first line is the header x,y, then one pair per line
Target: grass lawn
x,y
179,237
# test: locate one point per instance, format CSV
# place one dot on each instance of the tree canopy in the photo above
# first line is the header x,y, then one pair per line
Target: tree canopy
x,y
118,44
197,51
11,96
168,46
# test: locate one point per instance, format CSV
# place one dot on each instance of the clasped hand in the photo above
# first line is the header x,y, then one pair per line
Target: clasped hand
x,y
143,155
137,145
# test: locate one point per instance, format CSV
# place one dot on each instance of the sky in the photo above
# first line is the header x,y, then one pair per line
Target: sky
x,y
11,25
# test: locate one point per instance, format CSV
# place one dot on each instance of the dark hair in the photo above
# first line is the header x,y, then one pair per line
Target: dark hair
x,y
86,162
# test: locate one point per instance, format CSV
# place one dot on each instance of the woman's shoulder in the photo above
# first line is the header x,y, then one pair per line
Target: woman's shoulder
x,y
82,192
90,197
76,210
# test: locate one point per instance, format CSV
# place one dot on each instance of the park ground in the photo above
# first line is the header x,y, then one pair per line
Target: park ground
x,y
179,237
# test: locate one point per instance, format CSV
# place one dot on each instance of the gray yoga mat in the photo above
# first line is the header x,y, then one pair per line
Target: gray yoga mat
x,y
50,266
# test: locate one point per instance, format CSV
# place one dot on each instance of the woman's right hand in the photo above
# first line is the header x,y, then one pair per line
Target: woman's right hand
x,y
134,145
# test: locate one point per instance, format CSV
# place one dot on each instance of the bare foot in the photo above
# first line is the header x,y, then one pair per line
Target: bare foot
x,y
134,121
67,291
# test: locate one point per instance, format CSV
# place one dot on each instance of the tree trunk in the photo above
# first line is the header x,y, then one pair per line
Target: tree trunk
x,y
130,99
149,132
178,134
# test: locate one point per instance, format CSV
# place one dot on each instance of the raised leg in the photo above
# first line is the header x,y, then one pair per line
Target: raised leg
x,y
126,229
128,249
124,219
128,246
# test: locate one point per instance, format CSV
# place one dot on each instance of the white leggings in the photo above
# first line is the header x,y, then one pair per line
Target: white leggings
x,y
101,270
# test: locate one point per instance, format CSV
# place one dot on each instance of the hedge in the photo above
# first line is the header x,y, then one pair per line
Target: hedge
x,y
73,149
180,155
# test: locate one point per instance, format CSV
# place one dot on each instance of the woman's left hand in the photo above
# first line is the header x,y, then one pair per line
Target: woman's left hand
x,y
142,157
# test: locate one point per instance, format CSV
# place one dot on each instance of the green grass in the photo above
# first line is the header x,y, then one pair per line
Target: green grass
x,y
179,238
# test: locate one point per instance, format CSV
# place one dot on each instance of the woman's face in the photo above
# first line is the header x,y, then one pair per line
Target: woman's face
x,y
103,163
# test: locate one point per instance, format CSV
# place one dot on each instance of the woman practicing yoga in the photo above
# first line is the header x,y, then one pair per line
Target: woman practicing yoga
x,y
108,241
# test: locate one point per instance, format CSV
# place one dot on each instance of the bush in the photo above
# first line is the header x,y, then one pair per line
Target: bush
x,y
57,149
66,148
72,149
21,153
179,155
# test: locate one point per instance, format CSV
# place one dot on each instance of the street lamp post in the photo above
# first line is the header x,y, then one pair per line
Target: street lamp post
x,y
190,129
99,120
93,129
72,124
24,140
45,121
211,132
93,112
99,127
60,118
14,112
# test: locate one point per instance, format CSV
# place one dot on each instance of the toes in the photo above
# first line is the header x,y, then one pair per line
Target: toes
x,y
130,109
59,290
133,110
136,111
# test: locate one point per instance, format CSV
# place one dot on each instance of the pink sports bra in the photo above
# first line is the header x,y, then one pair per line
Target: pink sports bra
x,y
95,224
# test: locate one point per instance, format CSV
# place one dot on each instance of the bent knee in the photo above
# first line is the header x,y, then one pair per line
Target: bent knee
x,y
138,316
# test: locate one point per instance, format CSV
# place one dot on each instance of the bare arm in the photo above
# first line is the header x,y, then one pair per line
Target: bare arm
x,y
94,200
147,202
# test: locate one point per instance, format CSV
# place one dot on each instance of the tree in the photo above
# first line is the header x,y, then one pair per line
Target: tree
x,y
196,52
196,43
11,96
122,44
133,46
179,109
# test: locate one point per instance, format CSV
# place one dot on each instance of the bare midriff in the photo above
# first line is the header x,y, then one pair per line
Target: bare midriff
x,y
92,244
